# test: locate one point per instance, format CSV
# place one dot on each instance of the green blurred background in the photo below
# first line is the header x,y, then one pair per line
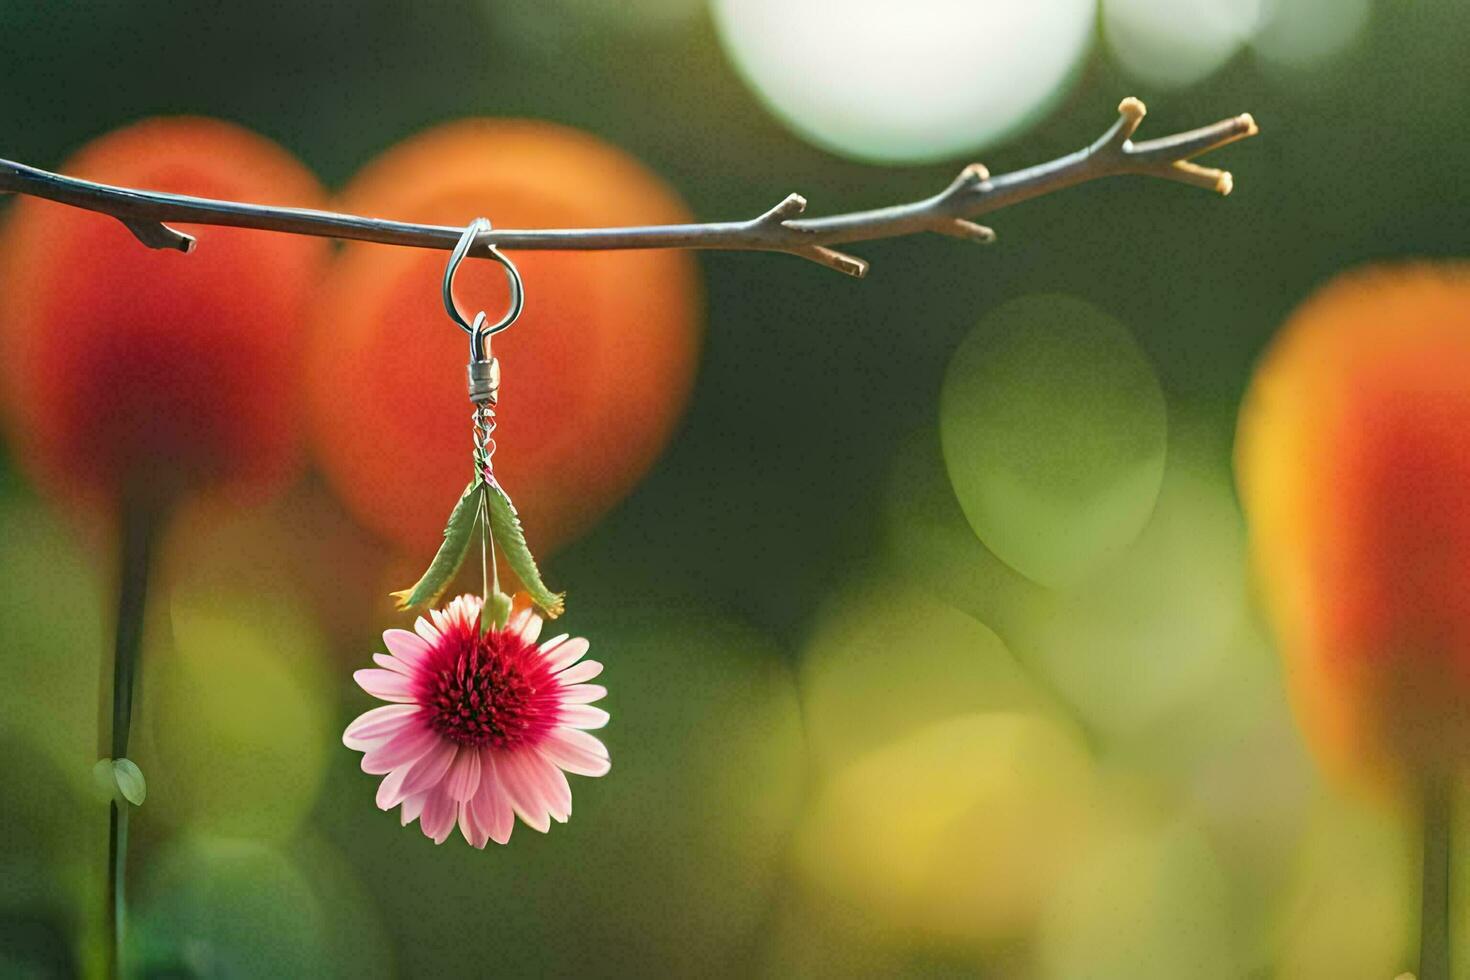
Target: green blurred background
x,y
930,638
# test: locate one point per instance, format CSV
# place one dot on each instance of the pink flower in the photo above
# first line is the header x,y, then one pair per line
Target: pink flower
x,y
482,728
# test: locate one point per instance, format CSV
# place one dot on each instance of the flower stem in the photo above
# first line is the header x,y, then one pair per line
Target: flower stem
x,y
137,545
1434,923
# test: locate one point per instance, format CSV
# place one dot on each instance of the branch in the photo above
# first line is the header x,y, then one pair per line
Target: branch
x,y
973,193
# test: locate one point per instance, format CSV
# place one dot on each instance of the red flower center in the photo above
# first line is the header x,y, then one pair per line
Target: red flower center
x,y
485,692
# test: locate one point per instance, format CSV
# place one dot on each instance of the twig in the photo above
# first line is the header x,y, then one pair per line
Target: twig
x,y
973,193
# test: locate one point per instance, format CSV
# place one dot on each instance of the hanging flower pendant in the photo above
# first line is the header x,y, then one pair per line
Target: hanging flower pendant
x,y
483,725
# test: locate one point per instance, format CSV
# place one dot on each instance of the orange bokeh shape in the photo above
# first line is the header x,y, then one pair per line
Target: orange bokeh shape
x,y
1354,467
152,373
595,373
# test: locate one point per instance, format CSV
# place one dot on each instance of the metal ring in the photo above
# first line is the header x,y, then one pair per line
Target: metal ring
x,y
478,331
480,338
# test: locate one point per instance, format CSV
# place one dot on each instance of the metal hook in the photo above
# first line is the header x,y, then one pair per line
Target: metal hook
x,y
479,333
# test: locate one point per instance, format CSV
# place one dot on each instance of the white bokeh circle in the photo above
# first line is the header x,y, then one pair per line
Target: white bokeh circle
x,y
1174,43
1305,33
915,81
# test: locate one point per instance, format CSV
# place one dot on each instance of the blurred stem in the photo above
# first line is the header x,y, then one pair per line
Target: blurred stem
x,y
117,912
1434,923
137,532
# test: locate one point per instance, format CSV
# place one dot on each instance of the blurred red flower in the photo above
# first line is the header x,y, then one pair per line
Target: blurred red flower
x,y
1354,468
133,372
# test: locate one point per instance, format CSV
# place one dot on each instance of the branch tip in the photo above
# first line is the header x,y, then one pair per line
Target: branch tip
x,y
966,230
975,173
1207,178
793,205
848,265
1130,113
1131,108
156,234
968,181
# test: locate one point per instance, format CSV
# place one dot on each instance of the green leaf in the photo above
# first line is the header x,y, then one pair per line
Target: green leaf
x,y
428,589
120,779
104,781
130,781
505,526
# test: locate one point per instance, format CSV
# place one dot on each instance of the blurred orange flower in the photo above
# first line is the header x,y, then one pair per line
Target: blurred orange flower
x,y
132,371
1353,459
596,371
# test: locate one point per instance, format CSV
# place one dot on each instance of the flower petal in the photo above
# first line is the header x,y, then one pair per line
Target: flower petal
x,y
439,813
583,693
372,727
392,663
426,631
390,789
469,829
523,790
525,623
407,647
584,671
581,716
565,653
412,807
575,755
463,777
491,809
460,616
385,684
590,743
429,770
402,749
464,612
554,788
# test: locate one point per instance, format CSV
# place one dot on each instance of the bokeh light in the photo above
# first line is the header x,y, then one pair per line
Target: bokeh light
x,y
1248,790
52,829
1148,903
301,550
882,661
1304,33
922,80
353,931
50,604
1149,633
929,543
955,832
1350,908
707,744
238,725
1174,43
218,906
1053,428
